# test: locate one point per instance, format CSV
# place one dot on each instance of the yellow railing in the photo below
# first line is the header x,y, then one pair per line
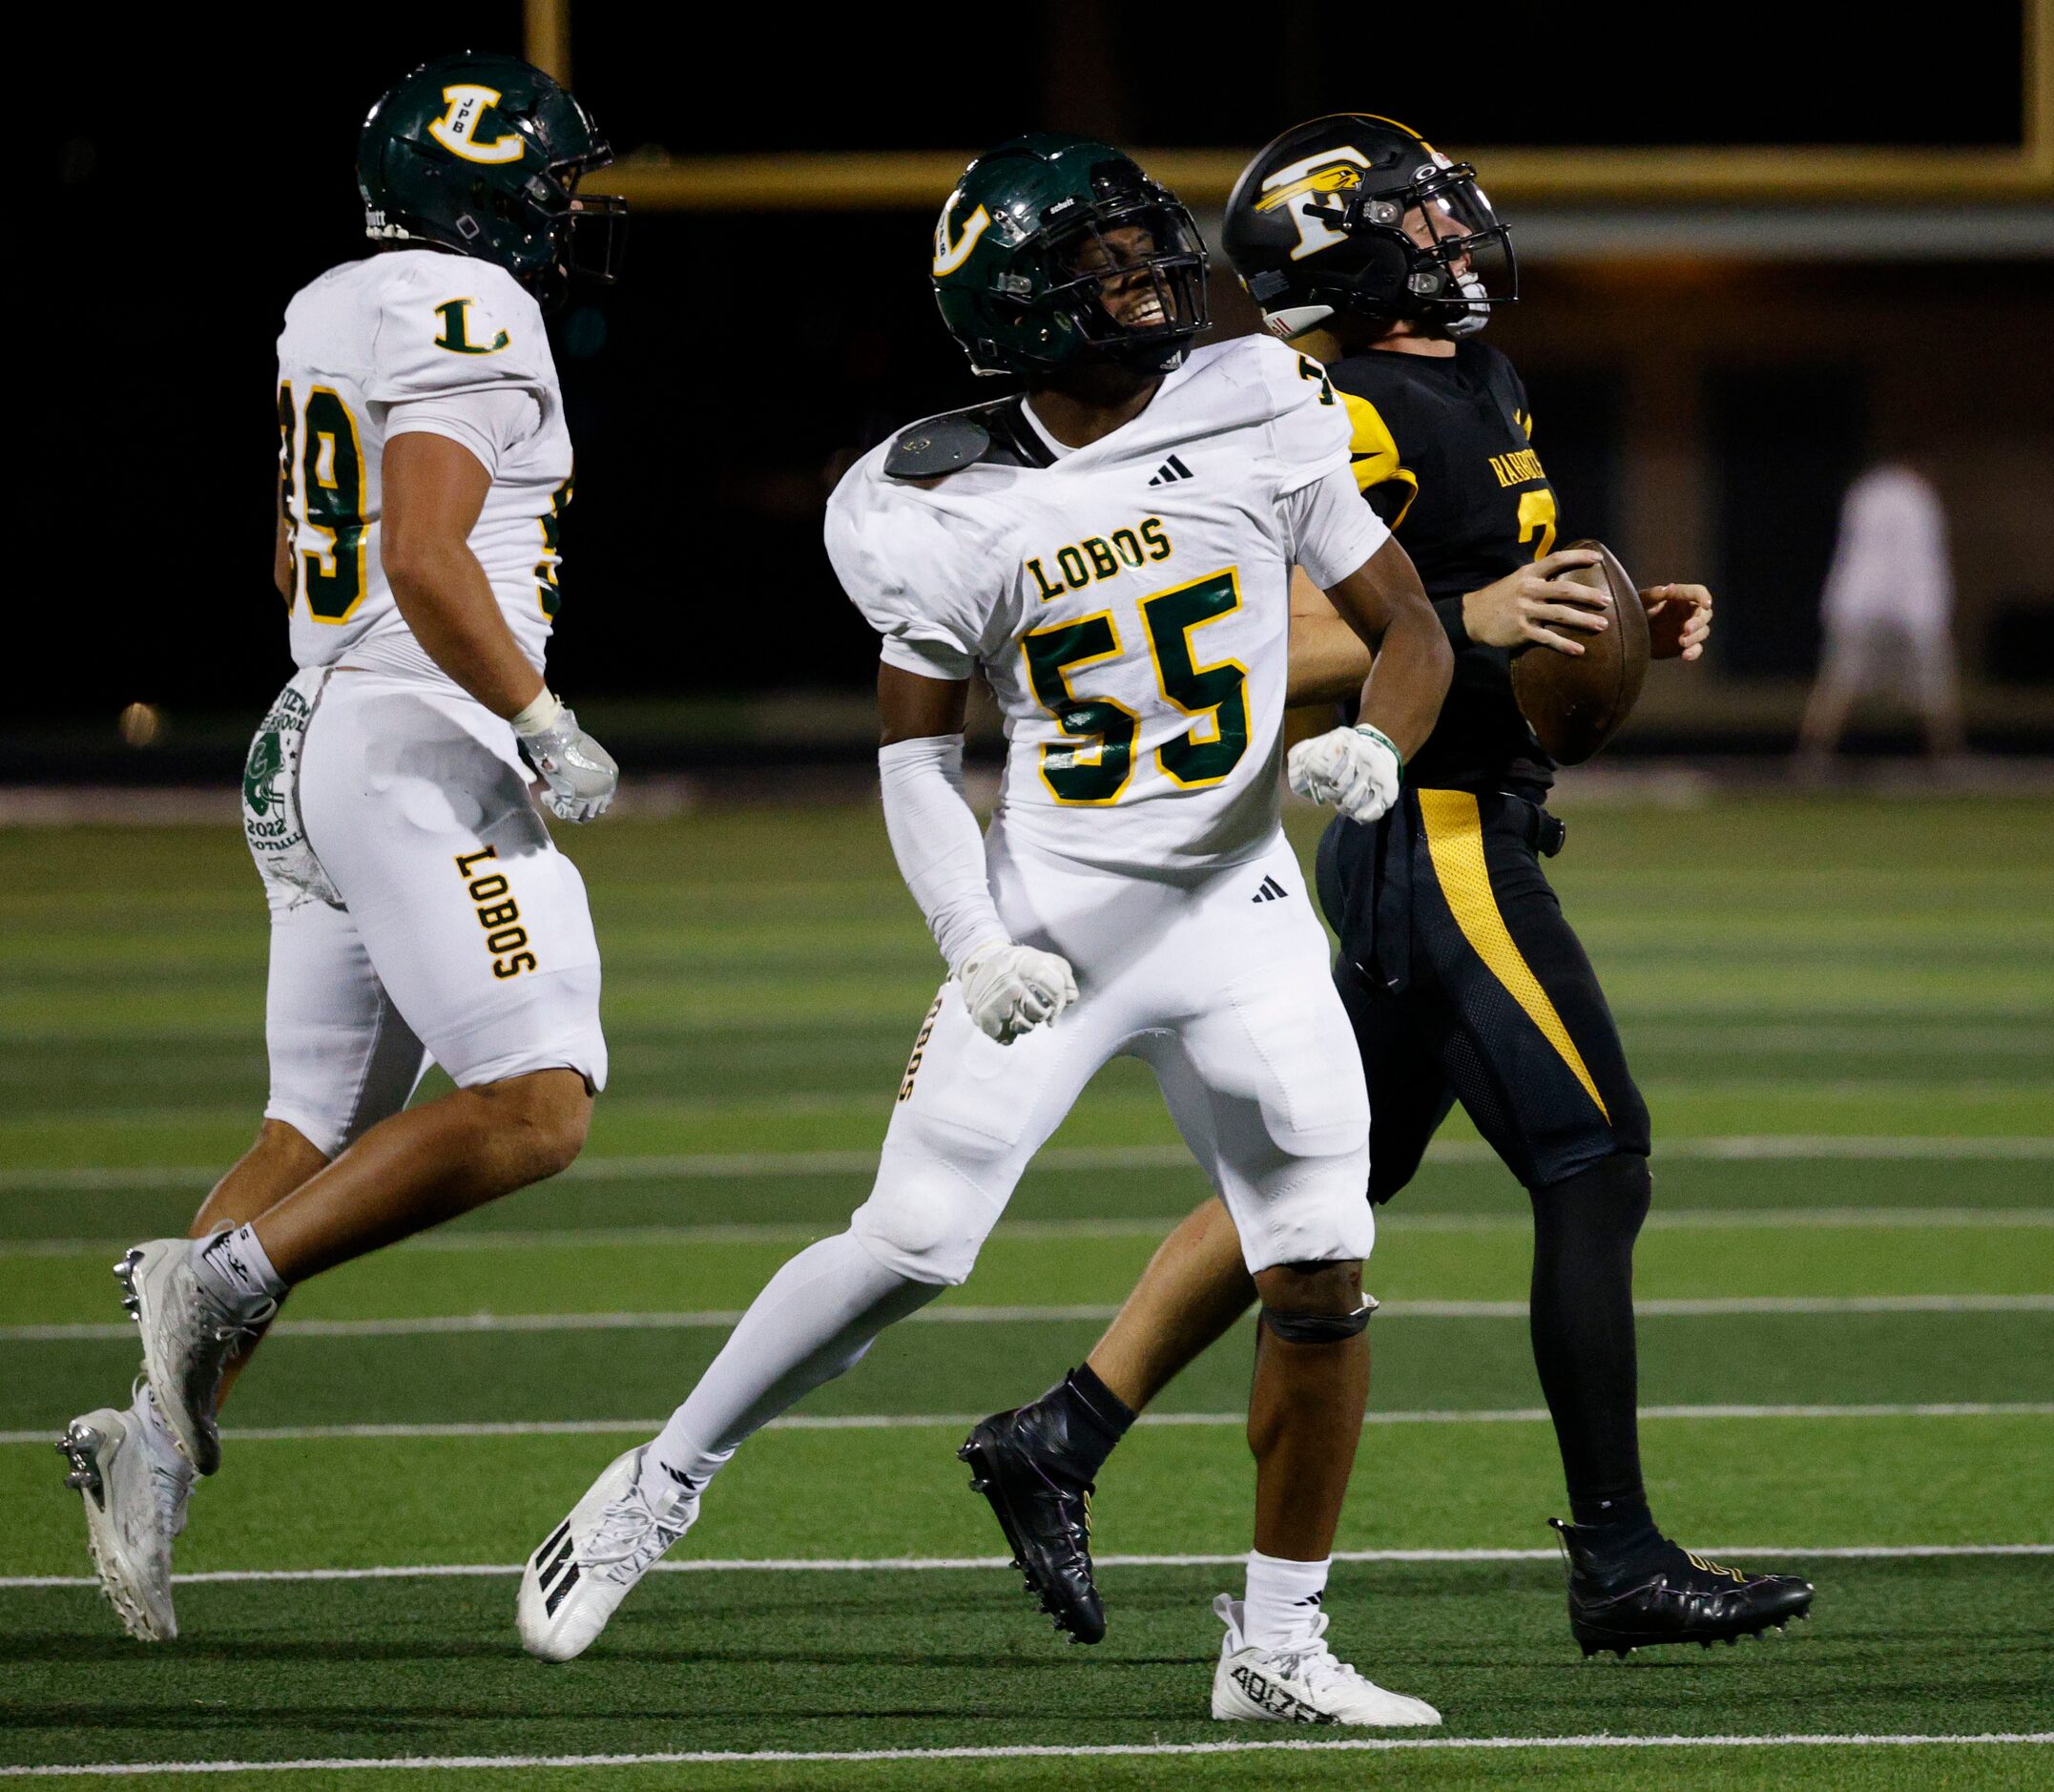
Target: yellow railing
x,y
1763,176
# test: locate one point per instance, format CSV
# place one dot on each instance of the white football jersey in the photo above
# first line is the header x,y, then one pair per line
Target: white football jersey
x,y
1128,601
403,341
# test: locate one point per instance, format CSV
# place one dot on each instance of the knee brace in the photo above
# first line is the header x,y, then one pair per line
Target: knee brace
x,y
1319,1328
924,1220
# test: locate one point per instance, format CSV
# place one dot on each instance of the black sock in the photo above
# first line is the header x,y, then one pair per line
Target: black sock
x,y
1584,1229
1091,1419
1623,1536
1616,1518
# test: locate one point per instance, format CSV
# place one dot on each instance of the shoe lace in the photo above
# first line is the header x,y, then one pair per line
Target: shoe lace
x,y
631,1535
1311,1661
225,1327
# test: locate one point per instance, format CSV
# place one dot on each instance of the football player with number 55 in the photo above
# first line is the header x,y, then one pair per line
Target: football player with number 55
x,y
419,909
1112,551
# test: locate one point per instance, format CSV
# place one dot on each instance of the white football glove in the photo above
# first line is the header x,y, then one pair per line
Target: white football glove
x,y
1010,990
1356,769
580,773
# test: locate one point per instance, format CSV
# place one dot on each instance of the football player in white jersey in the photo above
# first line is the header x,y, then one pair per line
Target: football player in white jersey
x,y
419,911
1113,552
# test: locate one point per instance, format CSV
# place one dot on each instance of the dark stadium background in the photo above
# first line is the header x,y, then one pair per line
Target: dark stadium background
x,y
193,185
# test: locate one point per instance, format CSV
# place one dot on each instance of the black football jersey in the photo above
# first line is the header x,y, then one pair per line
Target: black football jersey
x,y
1443,451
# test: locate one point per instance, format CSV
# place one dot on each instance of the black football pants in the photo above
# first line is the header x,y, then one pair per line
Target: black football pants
x,y
1465,982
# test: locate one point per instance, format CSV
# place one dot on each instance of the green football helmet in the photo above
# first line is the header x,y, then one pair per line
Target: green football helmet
x,y
1054,246
482,154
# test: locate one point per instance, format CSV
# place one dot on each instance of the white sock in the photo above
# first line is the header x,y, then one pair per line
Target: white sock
x,y
234,1266
814,1319
1283,1601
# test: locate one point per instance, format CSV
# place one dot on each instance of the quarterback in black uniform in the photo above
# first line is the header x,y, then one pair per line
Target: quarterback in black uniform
x,y
1381,259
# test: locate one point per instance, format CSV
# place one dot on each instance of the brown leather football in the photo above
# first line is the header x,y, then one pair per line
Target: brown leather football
x,y
1576,703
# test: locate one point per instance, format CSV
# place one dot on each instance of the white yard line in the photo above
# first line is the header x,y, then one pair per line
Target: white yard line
x,y
722,1318
1031,1751
721,1165
957,1421
1398,1219
930,1564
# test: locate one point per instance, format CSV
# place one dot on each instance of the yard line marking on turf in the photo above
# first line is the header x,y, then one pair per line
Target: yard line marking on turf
x,y
1055,1231
957,1421
722,1318
1735,1147
1034,1751
948,1564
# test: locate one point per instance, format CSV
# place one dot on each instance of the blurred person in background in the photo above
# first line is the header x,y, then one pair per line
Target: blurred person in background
x,y
1887,614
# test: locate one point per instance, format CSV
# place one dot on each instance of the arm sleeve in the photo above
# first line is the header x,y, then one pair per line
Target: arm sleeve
x,y
1332,531
936,842
490,422
1450,612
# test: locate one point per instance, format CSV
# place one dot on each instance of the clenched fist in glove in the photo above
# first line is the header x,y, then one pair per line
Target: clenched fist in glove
x,y
1357,770
580,773
1010,990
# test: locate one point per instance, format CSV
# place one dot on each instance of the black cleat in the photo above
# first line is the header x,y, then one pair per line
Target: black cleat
x,y
1667,1595
1016,1462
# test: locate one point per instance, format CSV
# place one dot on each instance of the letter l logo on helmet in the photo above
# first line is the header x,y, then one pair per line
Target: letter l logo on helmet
x,y
456,130
948,256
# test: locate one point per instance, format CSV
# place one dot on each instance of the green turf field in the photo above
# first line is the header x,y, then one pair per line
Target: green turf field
x,y
1841,1010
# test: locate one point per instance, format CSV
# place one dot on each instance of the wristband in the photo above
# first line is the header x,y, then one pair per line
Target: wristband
x,y
1386,742
539,715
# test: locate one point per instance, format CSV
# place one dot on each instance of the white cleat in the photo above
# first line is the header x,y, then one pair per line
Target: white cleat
x,y
188,1334
587,1565
1305,1683
135,1493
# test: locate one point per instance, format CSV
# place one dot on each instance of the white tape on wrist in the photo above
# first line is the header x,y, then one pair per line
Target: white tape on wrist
x,y
539,715
1386,741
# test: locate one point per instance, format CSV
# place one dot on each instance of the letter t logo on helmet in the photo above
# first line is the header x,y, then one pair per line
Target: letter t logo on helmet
x,y
1359,215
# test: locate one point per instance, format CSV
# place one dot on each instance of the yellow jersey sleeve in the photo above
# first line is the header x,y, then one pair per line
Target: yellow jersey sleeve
x,y
1373,455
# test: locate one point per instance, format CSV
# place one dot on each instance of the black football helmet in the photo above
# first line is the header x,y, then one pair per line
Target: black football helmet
x,y
1360,215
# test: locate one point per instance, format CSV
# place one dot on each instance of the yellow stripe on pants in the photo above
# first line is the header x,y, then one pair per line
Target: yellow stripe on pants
x,y
1455,841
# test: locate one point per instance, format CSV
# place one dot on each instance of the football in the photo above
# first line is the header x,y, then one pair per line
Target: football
x,y
1575,703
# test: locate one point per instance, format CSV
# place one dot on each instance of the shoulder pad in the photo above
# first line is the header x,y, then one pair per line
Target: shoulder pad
x,y
937,446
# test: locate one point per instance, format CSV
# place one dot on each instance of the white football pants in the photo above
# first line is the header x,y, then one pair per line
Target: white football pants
x,y
465,936
1218,980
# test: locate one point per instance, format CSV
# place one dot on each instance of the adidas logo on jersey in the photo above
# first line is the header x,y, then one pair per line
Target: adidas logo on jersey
x,y
1171,472
1270,891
